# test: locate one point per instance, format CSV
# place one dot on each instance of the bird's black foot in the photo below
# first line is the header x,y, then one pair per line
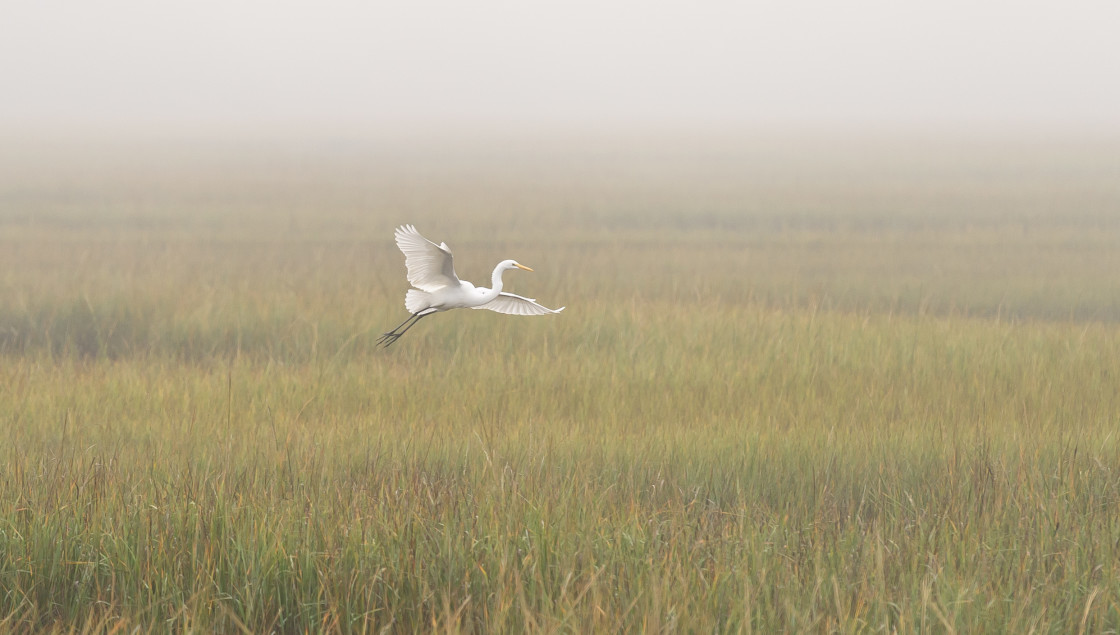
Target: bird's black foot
x,y
387,339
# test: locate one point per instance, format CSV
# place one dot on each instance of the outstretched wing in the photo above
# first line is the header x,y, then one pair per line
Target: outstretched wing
x,y
429,265
516,305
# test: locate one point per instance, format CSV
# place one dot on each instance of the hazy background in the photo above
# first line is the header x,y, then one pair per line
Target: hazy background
x,y
429,66
866,154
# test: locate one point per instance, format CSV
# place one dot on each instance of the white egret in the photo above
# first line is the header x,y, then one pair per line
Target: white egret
x,y
432,272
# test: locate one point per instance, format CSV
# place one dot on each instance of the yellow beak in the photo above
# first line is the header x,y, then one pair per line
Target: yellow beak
x,y
523,267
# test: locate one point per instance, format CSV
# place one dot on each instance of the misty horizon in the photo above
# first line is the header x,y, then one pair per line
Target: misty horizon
x,y
441,66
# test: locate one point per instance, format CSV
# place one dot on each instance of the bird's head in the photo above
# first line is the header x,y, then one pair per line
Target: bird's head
x,y
512,264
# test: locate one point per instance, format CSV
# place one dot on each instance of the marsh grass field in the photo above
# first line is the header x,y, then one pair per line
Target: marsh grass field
x,y
828,385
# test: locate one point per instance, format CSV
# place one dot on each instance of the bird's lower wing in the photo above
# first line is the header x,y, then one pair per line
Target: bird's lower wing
x,y
516,305
430,266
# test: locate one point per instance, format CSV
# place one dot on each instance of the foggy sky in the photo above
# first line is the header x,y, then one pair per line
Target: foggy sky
x,y
416,64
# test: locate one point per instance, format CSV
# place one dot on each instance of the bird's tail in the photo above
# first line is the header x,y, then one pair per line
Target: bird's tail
x,y
416,300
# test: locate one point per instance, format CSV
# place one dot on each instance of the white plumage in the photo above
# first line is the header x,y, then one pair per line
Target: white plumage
x,y
430,266
431,269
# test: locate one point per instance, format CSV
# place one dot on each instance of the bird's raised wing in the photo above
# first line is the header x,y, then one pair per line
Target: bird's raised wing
x,y
516,305
429,265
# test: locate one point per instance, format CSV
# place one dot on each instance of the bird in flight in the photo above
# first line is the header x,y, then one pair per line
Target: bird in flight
x,y
437,288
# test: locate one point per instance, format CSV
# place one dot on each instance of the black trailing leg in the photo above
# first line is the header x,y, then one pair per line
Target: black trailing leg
x,y
386,340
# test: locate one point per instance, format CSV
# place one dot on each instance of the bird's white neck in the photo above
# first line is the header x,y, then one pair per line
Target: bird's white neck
x,y
496,280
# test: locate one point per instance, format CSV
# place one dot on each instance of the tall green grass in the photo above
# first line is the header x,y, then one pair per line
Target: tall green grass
x,y
856,403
